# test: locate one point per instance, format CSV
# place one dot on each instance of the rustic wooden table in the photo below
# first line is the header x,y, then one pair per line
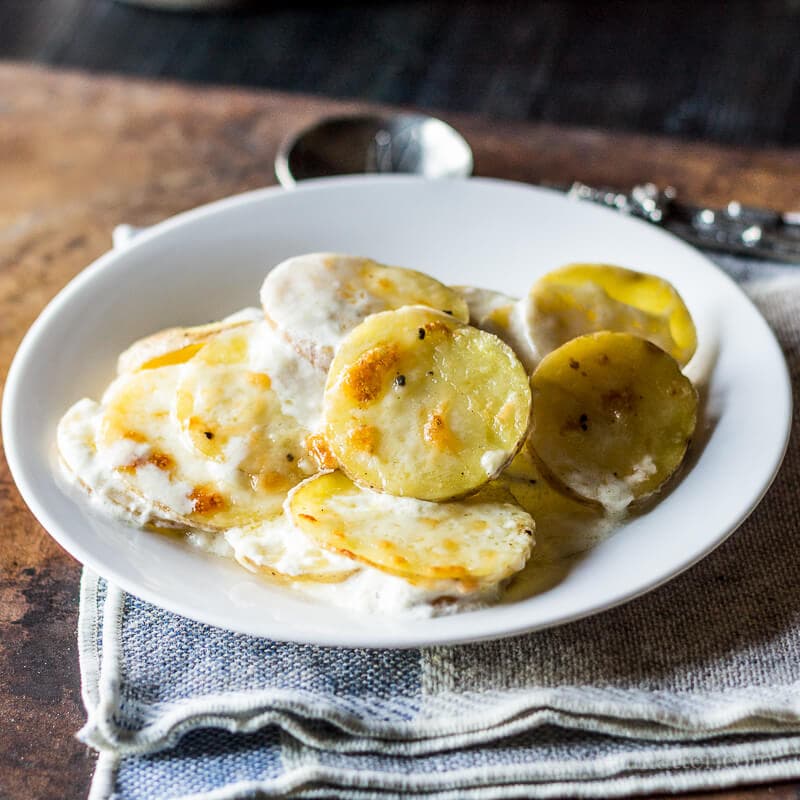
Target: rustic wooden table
x,y
81,154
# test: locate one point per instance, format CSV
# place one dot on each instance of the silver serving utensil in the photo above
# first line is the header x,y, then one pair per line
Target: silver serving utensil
x,y
350,145
743,230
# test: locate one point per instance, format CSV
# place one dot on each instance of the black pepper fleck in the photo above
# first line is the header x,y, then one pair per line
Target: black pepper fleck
x,y
289,457
584,422
400,380
573,364
209,435
448,311
421,333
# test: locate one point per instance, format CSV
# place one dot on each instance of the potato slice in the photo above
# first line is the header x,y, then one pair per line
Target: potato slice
x,y
478,542
237,406
612,417
278,548
485,304
141,441
177,345
315,300
419,404
76,441
501,315
584,298
565,525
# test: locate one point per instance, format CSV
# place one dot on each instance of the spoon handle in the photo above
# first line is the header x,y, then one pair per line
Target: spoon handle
x,y
757,232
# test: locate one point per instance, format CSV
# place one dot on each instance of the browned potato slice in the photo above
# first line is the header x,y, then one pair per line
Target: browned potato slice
x,y
174,345
612,417
583,298
419,404
230,403
479,541
139,439
315,300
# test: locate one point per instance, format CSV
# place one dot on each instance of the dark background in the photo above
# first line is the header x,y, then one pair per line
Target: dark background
x,y
722,71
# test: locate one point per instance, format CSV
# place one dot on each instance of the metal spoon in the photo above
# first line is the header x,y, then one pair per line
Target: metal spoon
x,y
349,145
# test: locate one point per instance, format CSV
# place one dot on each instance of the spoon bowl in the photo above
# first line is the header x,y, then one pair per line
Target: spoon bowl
x,y
349,145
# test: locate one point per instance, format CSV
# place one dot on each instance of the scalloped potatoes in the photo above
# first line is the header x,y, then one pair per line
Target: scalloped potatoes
x,y
375,439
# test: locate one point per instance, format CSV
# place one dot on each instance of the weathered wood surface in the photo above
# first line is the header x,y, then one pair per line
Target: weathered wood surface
x,y
80,154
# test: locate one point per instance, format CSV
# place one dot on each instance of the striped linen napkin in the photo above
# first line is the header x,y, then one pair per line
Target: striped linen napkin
x,y
696,685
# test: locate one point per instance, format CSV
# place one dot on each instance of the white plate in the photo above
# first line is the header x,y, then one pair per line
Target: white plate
x,y
208,262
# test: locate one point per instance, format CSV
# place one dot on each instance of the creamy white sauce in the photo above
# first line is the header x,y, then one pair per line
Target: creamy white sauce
x,y
311,296
121,452
277,544
642,470
298,385
492,460
213,543
226,469
518,338
614,494
375,592
157,485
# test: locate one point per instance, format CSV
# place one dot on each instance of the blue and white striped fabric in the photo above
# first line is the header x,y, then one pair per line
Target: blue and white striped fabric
x,y
695,685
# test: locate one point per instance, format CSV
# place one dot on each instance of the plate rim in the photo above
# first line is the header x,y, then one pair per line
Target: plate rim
x,y
281,631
